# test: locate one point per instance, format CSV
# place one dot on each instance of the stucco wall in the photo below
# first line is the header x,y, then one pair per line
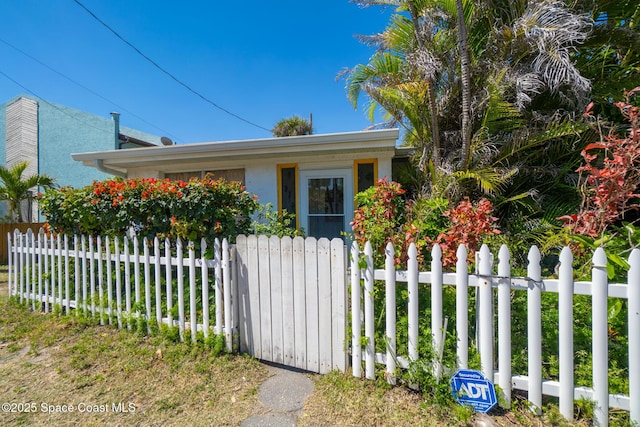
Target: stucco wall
x,y
64,131
260,179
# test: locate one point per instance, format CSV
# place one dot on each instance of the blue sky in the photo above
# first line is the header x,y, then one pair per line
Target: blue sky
x,y
260,60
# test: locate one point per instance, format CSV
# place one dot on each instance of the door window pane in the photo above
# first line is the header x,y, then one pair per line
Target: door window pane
x,y
326,196
326,207
325,226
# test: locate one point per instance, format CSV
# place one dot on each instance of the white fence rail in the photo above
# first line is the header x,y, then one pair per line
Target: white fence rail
x,y
497,366
120,281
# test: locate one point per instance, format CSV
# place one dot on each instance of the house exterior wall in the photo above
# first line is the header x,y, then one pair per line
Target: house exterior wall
x,y
61,131
261,175
64,130
45,134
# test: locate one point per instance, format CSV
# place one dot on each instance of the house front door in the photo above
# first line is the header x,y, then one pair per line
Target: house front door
x,y
326,202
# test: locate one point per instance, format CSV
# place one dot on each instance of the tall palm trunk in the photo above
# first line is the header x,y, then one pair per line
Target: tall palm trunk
x,y
463,47
435,129
433,106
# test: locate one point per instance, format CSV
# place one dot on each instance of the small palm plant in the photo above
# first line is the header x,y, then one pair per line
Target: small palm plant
x,y
15,189
292,126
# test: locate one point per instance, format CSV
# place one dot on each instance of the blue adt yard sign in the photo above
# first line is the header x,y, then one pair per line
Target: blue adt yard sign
x,y
474,389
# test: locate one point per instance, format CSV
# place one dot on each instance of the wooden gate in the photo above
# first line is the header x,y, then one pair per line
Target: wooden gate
x,y
292,301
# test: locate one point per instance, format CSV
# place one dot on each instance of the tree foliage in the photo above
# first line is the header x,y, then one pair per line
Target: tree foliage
x,y
519,81
191,210
383,216
611,173
14,188
292,126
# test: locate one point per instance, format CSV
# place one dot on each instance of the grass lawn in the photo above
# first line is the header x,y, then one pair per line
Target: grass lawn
x,y
47,362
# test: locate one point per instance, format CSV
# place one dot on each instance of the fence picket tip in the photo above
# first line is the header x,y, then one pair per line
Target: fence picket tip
x,y
504,254
534,255
389,249
436,253
413,251
599,258
566,255
461,252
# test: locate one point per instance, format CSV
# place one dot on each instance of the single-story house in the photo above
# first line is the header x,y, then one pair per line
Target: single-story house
x,y
313,176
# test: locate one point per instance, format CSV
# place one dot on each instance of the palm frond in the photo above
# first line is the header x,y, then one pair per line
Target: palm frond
x,y
489,180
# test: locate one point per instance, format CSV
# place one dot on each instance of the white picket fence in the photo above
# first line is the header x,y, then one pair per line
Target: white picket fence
x,y
488,284
280,300
282,287
119,280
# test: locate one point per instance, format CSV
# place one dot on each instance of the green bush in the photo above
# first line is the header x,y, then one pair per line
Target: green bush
x,y
153,208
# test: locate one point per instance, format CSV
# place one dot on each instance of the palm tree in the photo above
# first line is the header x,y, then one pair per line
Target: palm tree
x,y
465,83
509,53
292,126
15,189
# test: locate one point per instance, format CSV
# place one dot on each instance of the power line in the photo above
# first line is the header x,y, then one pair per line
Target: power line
x,y
155,64
83,87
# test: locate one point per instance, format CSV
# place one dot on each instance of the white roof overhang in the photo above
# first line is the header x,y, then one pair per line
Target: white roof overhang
x,y
198,155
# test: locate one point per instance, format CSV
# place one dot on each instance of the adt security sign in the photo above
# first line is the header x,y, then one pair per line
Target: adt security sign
x,y
474,389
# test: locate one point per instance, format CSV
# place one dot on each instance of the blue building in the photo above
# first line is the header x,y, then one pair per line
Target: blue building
x,y
45,134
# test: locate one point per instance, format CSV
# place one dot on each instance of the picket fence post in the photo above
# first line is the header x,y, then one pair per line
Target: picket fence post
x,y
39,250
356,313
30,241
22,266
92,276
413,310
565,333
52,265
127,279
485,315
217,256
101,307
180,277
107,244
147,282
534,331
369,331
168,284
192,292
226,287
158,278
634,334
204,271
462,302
436,310
9,263
390,309
116,244
600,335
504,323
76,281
